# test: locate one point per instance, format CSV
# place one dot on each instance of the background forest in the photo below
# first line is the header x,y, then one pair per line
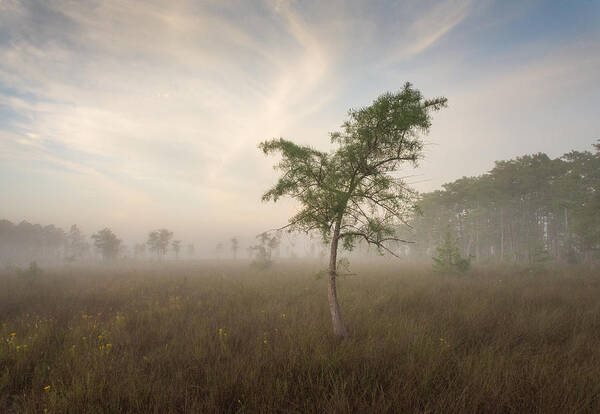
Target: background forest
x,y
528,210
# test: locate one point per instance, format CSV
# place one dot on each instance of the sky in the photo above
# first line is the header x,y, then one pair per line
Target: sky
x,y
137,115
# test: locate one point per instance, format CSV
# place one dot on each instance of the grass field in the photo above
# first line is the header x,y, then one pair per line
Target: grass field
x,y
220,337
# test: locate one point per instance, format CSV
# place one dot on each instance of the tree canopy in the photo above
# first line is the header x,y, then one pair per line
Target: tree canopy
x,y
158,241
107,243
354,185
523,208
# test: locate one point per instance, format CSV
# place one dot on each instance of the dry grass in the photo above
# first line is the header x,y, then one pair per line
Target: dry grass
x,y
215,337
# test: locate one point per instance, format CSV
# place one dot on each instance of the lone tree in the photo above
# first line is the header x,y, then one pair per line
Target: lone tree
x,y
352,192
107,243
235,245
191,250
76,244
263,251
176,245
139,250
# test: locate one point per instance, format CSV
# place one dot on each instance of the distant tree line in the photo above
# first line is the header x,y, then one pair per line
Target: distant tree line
x,y
26,242
529,209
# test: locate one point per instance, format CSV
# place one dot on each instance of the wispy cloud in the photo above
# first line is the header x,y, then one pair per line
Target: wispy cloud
x,y
163,103
436,22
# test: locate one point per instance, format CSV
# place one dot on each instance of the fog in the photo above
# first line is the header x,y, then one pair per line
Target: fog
x,y
529,210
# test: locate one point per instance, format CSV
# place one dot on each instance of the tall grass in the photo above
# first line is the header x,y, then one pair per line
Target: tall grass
x,y
220,337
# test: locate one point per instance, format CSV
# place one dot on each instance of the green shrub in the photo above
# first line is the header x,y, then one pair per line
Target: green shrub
x,y
448,259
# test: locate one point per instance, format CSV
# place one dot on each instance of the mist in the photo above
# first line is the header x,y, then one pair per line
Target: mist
x,y
283,206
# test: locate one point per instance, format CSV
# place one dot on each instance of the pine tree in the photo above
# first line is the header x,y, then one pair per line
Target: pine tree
x,y
449,259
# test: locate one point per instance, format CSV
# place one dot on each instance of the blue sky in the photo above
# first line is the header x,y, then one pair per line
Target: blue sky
x,y
145,114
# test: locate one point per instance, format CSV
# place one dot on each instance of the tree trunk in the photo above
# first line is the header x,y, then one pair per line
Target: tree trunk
x,y
477,222
339,330
501,234
469,244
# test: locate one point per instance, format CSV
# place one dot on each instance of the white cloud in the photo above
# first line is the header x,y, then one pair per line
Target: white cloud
x,y
432,26
156,105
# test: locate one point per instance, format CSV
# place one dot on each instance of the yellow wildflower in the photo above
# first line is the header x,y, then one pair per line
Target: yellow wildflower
x,y
13,334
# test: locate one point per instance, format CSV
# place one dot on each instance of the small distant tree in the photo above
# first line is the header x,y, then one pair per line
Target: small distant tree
x,y
139,250
124,251
234,247
539,258
291,249
191,250
448,259
274,242
31,272
353,192
107,243
158,241
76,244
219,250
262,252
176,244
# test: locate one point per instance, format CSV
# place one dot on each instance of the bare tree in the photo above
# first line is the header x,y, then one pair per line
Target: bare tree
x,y
176,244
234,247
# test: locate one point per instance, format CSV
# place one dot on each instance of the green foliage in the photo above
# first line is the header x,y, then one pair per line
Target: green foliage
x,y
448,259
507,214
352,193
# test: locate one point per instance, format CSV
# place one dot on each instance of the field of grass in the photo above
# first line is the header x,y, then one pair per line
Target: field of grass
x,y
221,337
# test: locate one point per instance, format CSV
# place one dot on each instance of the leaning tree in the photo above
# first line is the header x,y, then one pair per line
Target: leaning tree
x,y
354,192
